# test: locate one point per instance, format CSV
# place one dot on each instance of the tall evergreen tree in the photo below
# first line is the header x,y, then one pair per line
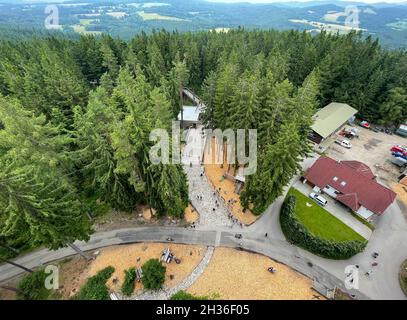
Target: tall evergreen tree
x,y
36,191
277,164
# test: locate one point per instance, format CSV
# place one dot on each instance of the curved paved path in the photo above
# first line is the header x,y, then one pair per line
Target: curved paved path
x,y
390,239
273,248
166,293
200,187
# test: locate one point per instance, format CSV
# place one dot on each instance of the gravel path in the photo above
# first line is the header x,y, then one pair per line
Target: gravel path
x,y
166,293
200,187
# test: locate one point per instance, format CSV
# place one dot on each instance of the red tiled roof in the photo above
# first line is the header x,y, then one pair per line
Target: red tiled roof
x,y
351,200
354,180
361,168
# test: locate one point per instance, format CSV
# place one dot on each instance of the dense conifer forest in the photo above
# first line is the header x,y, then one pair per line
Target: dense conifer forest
x,y
76,114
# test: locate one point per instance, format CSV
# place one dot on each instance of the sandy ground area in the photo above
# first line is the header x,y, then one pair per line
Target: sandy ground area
x,y
134,255
190,214
73,273
234,274
214,173
401,191
7,294
139,217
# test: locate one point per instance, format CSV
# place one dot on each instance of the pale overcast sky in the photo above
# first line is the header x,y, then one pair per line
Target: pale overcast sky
x,y
271,1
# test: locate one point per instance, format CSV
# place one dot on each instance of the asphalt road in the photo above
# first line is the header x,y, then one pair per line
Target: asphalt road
x,y
254,242
389,239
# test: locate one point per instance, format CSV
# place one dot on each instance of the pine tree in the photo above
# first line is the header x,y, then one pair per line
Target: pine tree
x,y
179,76
244,107
278,107
36,191
394,110
208,95
225,89
156,66
277,164
306,103
94,156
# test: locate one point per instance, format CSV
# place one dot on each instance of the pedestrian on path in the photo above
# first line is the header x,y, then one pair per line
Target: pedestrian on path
x,y
265,234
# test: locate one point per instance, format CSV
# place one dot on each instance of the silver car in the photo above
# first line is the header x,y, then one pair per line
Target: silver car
x,y
318,198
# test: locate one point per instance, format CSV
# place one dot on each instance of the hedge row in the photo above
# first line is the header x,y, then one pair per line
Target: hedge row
x,y
129,280
32,286
299,235
153,274
95,287
182,295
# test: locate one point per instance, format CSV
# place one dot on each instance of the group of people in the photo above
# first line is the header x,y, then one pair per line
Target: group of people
x,y
374,264
368,272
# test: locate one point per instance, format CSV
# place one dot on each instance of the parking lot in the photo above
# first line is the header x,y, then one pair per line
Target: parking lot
x,y
371,148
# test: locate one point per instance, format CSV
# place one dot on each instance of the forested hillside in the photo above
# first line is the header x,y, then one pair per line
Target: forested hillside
x,y
76,115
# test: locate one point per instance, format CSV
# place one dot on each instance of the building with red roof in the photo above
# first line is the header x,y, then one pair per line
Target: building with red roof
x,y
352,183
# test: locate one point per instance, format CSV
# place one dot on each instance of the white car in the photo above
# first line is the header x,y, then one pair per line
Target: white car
x,y
318,198
344,143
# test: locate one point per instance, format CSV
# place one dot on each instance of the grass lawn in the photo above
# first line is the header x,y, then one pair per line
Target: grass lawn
x,y
320,222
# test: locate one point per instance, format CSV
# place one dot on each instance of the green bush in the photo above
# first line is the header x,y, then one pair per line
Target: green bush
x,y
299,235
153,274
95,287
403,277
182,295
32,286
129,279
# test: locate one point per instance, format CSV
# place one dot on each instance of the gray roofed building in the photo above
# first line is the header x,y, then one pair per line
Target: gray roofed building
x,y
329,119
190,116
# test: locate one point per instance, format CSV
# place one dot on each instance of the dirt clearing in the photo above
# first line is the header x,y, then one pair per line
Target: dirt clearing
x,y
134,255
73,273
190,214
234,274
217,177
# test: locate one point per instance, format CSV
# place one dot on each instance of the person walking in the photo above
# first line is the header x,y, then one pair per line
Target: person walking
x,y
265,235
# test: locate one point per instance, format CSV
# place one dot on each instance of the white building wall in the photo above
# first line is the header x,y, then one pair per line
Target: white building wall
x,y
365,213
331,191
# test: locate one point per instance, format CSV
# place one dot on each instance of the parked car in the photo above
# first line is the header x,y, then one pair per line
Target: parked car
x,y
350,134
399,149
365,124
401,162
344,143
318,198
399,155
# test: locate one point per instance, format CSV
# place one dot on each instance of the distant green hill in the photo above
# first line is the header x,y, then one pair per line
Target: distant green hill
x,y
388,22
